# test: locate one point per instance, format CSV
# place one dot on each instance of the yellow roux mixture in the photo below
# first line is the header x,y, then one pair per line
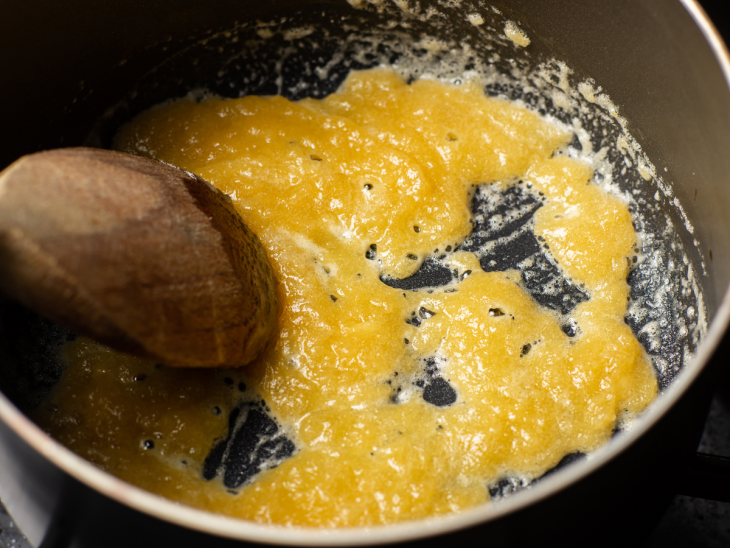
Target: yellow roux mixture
x,y
385,163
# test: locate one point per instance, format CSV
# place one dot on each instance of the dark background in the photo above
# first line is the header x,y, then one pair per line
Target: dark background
x,y
718,12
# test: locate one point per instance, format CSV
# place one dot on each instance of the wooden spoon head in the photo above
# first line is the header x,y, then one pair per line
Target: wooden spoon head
x,y
141,256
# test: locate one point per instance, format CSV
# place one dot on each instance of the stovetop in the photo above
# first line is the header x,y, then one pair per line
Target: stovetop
x,y
692,522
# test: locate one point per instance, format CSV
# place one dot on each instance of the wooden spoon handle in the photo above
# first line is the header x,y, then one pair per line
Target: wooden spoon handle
x,y
142,256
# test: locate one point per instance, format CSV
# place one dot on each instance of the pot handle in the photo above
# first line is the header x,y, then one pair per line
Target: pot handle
x,y
707,477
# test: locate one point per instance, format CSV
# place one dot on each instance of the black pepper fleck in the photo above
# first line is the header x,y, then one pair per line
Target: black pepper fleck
x,y
425,313
370,253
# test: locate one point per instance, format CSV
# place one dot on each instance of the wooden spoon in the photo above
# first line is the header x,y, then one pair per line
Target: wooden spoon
x,y
137,254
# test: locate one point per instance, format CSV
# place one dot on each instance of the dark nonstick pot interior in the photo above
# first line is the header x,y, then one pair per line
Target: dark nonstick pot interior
x,y
85,71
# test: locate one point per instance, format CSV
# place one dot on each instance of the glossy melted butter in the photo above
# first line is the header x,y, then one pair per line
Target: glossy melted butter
x,y
365,183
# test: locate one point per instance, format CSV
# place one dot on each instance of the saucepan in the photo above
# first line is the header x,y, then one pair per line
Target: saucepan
x,y
653,73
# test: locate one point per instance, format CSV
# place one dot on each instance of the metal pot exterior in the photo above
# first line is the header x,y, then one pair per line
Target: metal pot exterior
x,y
659,61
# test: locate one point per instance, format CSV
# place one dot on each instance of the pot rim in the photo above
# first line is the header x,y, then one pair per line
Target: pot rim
x,y
208,522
